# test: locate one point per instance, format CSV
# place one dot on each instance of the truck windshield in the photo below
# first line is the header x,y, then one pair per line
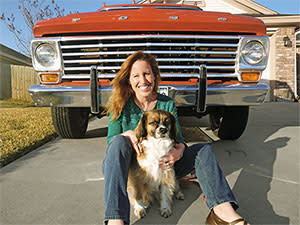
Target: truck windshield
x,y
143,6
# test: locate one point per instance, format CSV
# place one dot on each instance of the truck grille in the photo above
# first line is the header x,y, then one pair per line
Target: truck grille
x,y
178,56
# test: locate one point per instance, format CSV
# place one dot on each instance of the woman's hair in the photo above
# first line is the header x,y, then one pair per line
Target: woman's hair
x,y
122,90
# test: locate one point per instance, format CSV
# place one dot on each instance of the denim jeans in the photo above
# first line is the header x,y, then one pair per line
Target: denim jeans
x,y
198,157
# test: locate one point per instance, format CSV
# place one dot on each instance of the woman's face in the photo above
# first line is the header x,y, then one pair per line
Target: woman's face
x,y
141,78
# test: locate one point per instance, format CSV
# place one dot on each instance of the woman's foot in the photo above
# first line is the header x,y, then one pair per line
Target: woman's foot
x,y
115,222
224,213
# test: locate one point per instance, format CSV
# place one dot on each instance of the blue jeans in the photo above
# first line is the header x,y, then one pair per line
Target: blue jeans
x,y
198,157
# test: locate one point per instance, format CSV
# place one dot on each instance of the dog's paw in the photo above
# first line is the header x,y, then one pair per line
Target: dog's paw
x,y
147,205
179,195
139,209
165,212
140,213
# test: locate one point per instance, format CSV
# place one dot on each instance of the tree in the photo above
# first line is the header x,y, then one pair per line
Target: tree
x,y
32,11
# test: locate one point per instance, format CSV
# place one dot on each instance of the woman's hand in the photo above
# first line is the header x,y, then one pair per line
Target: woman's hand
x,y
133,139
173,155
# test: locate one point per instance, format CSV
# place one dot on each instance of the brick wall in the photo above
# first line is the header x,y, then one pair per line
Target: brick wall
x,y
298,70
284,83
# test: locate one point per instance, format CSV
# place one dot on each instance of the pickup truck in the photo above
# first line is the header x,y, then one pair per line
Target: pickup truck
x,y
210,62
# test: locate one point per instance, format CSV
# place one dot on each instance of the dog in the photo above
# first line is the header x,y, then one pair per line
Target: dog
x,y
156,133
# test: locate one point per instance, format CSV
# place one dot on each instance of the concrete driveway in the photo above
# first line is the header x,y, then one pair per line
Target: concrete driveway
x,y
62,183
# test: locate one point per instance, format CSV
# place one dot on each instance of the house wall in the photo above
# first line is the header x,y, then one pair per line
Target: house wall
x,y
216,5
9,57
283,81
298,71
5,81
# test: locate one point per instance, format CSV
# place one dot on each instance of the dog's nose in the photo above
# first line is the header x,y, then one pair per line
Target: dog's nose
x,y
163,130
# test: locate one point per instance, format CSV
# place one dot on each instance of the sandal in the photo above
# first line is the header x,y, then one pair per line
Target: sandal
x,y
213,219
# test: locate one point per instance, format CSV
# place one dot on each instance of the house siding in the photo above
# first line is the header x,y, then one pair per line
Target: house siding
x,y
9,57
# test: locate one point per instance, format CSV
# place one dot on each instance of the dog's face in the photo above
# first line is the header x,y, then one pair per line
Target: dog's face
x,y
157,124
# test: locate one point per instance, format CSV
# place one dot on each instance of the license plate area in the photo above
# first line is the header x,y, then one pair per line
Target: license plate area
x,y
164,90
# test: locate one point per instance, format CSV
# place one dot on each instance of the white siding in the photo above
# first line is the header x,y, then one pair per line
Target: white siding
x,y
221,6
214,5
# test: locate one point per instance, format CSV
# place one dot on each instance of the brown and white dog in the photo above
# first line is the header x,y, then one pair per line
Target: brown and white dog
x,y
156,133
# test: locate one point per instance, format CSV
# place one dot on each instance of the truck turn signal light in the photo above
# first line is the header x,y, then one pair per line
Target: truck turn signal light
x,y
250,76
49,78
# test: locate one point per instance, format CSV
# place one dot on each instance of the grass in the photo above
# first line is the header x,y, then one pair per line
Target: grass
x,y
23,128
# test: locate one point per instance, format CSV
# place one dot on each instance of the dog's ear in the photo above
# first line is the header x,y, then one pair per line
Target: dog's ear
x,y
141,130
173,130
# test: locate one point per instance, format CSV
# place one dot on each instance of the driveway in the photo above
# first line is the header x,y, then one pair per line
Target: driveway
x,y
62,183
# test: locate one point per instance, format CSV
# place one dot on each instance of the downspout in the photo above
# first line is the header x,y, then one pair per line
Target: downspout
x,y
295,66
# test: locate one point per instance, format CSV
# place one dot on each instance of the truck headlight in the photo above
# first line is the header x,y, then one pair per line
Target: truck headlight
x,y
253,52
45,55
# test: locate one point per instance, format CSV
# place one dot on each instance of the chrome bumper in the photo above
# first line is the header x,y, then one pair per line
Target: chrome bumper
x,y
80,96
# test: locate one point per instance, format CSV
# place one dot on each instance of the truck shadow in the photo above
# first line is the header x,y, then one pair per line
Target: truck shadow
x,y
96,133
251,159
255,174
248,164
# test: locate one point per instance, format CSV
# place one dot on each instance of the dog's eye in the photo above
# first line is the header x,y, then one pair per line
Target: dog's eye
x,y
153,123
167,121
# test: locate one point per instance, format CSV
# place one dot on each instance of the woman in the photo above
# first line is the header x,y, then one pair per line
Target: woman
x,y
135,91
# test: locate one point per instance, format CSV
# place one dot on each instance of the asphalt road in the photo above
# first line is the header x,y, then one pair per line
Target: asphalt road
x,y
62,183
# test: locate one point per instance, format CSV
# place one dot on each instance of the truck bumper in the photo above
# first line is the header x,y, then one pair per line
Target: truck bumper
x,y
80,96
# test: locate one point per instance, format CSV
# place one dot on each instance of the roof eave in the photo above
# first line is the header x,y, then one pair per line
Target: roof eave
x,y
281,20
253,6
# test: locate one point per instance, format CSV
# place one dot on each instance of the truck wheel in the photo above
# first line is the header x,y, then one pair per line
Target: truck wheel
x,y
70,122
229,123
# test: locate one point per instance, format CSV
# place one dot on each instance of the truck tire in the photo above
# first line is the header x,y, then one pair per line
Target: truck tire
x,y
229,123
70,122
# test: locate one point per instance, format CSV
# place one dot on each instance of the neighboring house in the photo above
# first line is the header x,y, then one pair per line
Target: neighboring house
x,y
9,57
282,72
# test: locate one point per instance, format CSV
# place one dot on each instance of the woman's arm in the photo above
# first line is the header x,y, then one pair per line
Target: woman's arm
x,y
174,155
114,128
179,137
130,134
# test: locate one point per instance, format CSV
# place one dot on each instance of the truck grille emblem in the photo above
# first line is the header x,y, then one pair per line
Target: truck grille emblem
x,y
75,19
222,19
123,18
174,17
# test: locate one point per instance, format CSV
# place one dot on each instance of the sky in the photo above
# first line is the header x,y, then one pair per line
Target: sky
x,y
11,6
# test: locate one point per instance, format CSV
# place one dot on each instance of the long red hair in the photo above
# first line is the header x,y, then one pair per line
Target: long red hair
x,y
122,90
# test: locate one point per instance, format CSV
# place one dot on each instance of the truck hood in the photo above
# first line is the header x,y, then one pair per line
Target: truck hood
x,y
149,18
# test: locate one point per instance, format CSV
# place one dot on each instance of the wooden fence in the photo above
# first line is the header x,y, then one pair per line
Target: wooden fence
x,y
22,77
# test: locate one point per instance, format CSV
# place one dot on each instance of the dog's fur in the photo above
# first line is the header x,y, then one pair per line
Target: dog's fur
x,y
156,133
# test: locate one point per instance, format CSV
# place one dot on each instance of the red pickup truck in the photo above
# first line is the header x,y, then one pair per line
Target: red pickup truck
x,y
210,62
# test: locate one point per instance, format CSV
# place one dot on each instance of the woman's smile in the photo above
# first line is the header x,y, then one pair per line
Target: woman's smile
x,y
144,87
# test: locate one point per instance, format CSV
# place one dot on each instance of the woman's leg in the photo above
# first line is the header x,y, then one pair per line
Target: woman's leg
x,y
115,169
201,158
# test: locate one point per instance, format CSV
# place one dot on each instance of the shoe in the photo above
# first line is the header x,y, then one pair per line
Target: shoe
x,y
213,219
